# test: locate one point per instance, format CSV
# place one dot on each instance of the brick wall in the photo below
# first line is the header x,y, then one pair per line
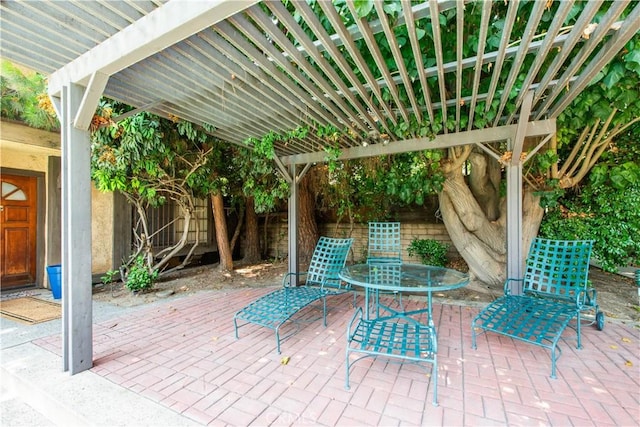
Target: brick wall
x,y
278,244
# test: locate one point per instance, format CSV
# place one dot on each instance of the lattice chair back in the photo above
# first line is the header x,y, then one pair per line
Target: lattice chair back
x,y
384,243
329,257
558,267
387,274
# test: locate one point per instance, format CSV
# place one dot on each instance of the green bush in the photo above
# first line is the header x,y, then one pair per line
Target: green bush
x,y
605,211
139,277
430,252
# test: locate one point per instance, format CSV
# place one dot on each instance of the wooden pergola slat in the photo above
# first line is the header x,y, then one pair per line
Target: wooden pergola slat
x,y
574,36
313,22
417,55
435,26
548,42
529,33
356,56
374,49
482,40
399,60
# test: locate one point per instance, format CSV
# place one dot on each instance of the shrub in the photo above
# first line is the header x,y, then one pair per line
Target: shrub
x,y
139,277
430,252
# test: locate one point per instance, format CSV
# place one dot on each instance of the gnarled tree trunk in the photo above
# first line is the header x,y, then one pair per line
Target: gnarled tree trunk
x,y
475,217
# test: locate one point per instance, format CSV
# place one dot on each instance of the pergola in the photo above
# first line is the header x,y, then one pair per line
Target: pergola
x,y
250,68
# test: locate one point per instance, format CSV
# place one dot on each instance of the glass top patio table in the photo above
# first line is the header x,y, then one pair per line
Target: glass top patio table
x,y
414,278
404,277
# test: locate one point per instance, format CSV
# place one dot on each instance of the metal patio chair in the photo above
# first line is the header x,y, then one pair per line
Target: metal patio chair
x,y
385,247
275,308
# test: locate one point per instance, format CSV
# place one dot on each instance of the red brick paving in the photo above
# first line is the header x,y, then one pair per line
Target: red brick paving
x,y
183,355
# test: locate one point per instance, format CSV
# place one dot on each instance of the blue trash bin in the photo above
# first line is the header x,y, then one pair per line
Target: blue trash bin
x,y
55,280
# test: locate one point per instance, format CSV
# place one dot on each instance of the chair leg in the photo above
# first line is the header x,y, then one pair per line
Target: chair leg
x,y
399,299
346,384
235,327
473,334
434,376
578,331
324,311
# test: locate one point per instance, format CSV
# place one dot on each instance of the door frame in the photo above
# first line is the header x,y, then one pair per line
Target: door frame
x,y
40,217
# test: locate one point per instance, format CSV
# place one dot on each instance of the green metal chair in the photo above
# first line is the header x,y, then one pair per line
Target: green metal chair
x,y
275,308
554,292
385,247
384,244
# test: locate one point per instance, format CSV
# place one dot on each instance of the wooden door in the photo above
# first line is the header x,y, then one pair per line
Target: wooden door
x,y
18,222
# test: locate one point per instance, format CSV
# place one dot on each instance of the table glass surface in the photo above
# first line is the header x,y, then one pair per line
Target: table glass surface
x,y
404,277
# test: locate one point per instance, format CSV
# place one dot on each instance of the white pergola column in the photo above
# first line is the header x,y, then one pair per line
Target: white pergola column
x,y
293,225
515,251
514,225
77,315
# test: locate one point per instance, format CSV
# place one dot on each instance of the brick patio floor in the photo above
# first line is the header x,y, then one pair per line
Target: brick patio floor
x,y
183,354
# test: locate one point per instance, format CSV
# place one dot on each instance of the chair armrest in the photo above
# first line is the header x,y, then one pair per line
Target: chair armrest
x,y
333,283
507,289
586,297
286,280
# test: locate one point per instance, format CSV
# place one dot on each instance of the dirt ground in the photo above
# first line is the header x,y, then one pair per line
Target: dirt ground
x,y
617,295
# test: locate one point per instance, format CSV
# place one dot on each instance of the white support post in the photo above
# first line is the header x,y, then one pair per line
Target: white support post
x,y
77,316
293,226
90,99
63,116
515,253
514,225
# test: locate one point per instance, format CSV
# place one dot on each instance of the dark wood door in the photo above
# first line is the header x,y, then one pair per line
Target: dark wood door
x,y
18,222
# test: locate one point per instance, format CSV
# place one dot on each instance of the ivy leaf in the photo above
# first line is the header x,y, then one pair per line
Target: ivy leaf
x,y
632,60
392,9
363,7
616,72
625,99
601,110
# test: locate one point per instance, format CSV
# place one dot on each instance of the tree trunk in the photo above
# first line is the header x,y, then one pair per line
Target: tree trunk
x,y
477,224
252,236
222,236
307,227
236,233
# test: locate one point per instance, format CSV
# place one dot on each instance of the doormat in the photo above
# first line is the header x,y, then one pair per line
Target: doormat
x,y
30,310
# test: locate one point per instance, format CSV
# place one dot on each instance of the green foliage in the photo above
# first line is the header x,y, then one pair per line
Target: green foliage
x,y
430,252
366,189
254,175
108,277
617,86
549,197
265,146
139,276
23,97
153,159
606,209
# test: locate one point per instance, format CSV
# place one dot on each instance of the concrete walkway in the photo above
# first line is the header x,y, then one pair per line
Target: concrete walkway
x,y
177,363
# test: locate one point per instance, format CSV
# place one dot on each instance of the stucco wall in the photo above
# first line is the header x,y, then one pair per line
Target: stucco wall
x,y
101,231
26,157
29,149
